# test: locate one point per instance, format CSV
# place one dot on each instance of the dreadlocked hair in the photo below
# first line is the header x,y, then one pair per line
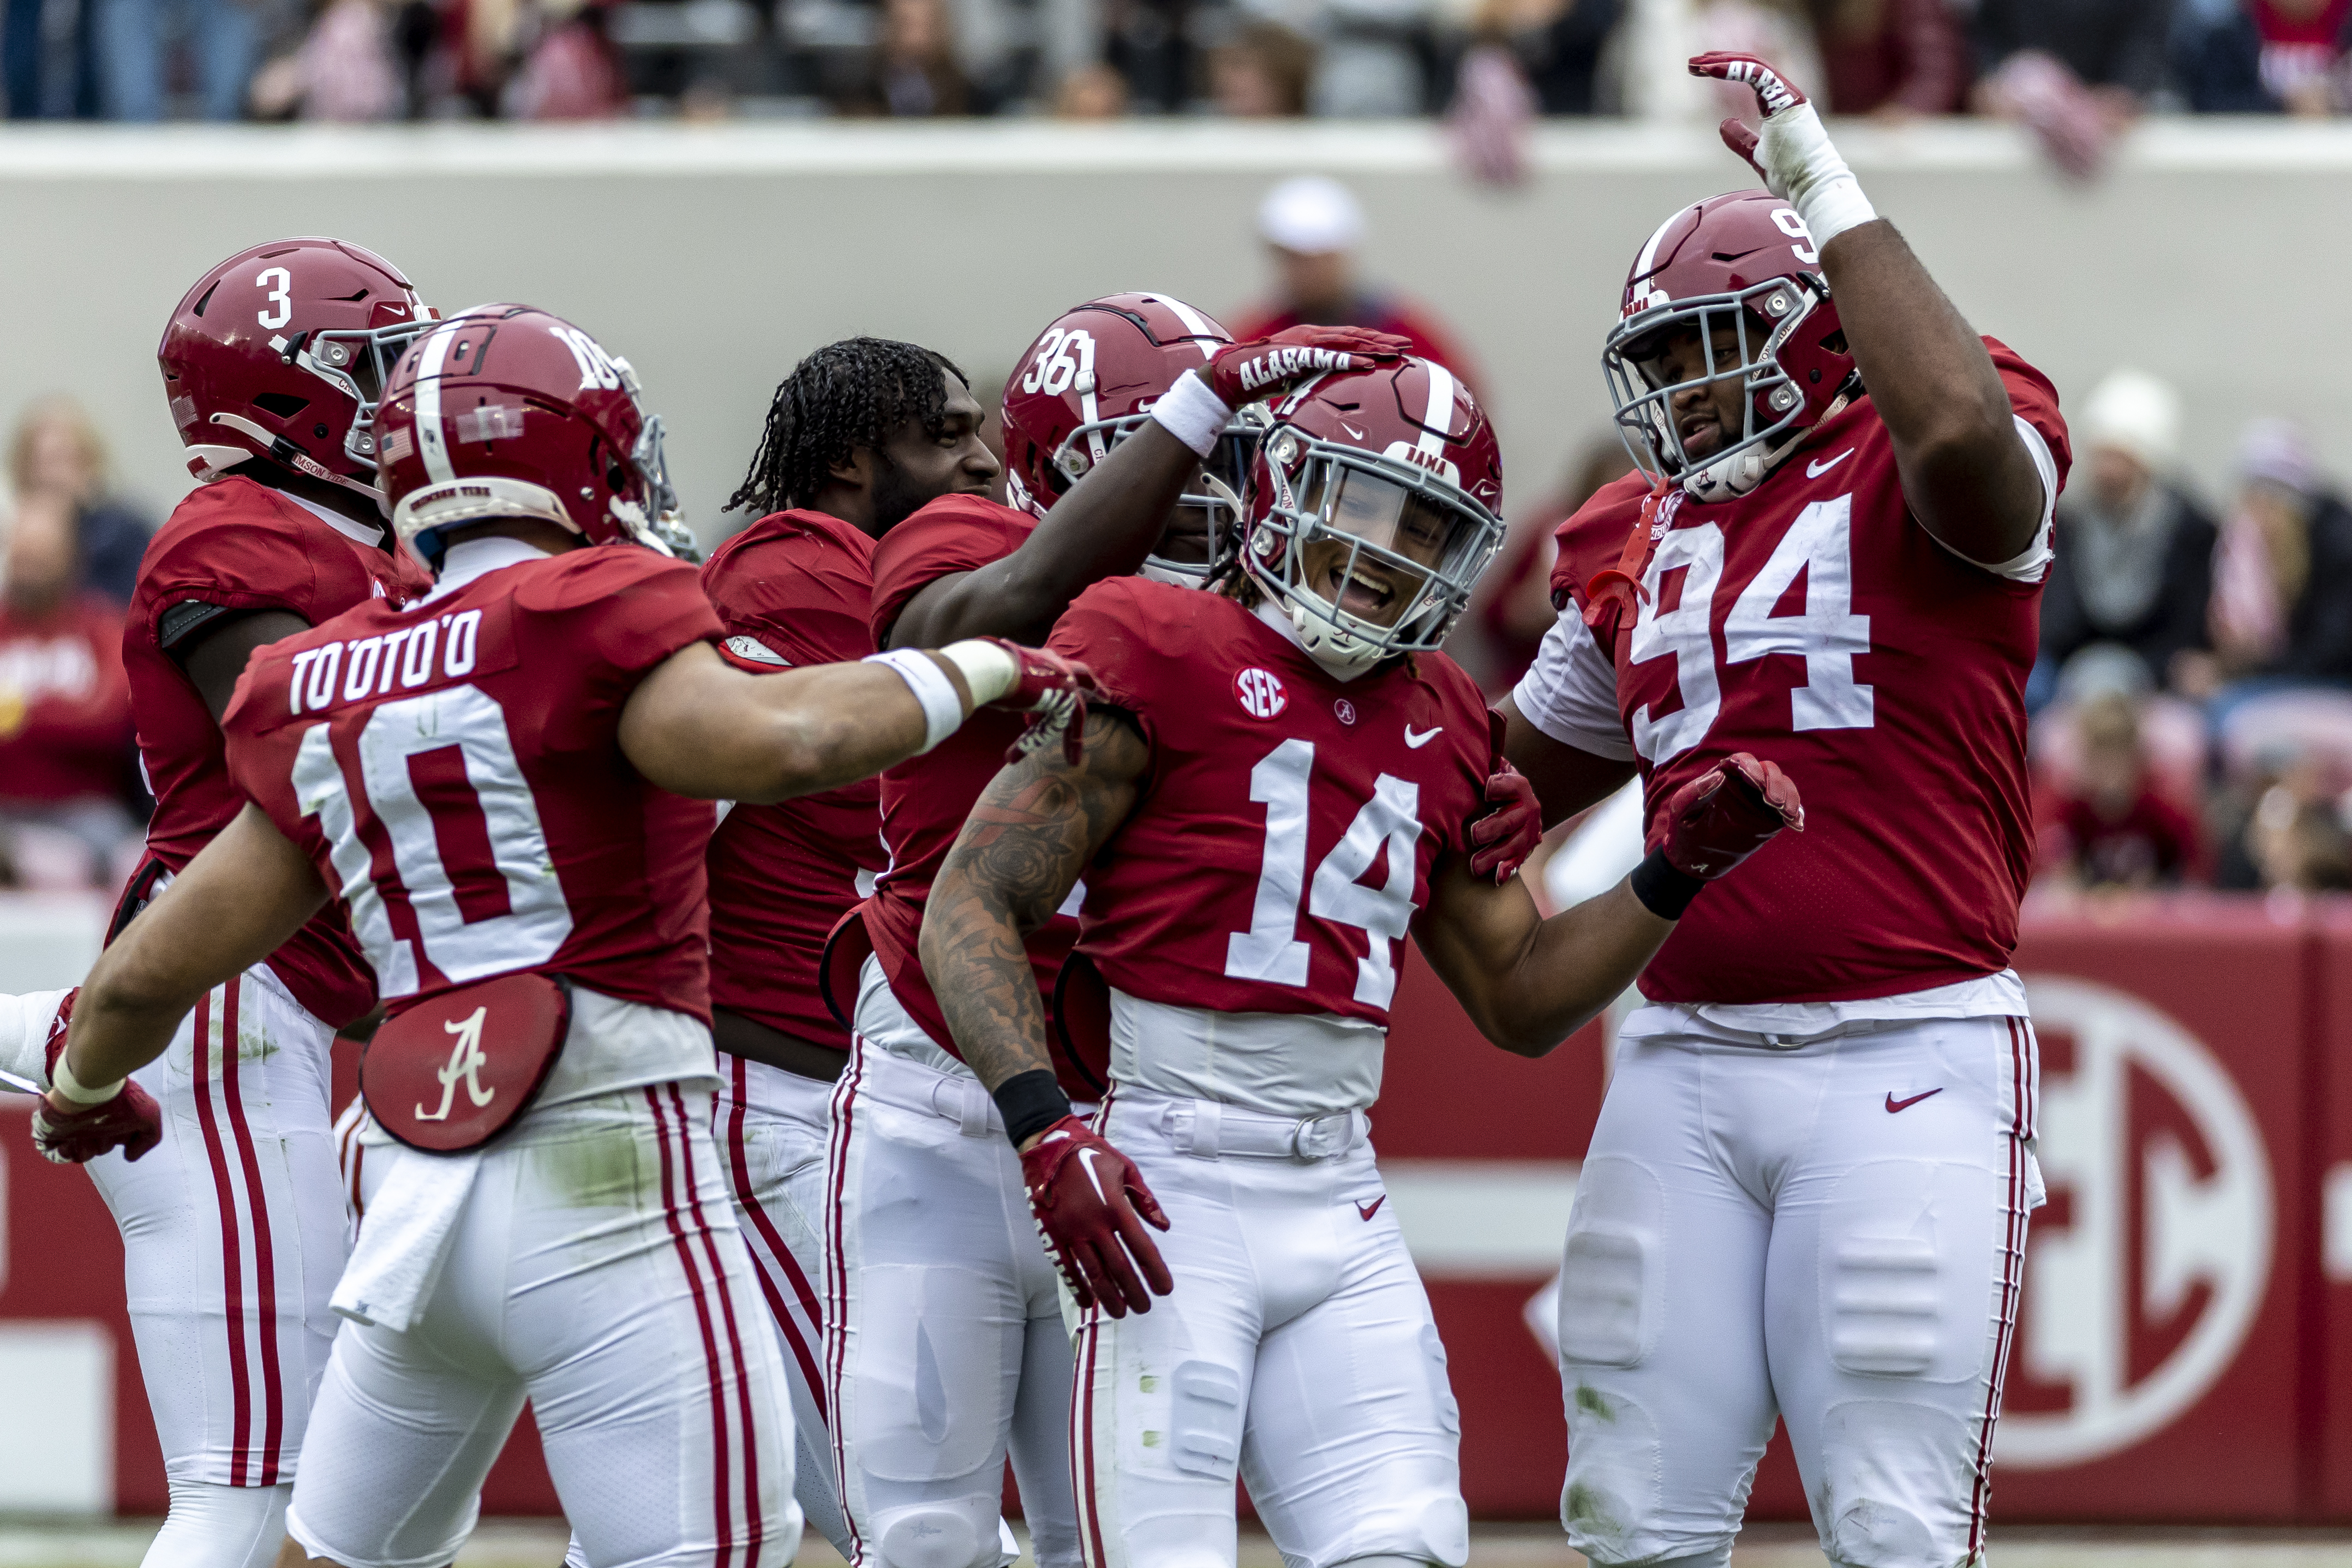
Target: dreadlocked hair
x,y
855,393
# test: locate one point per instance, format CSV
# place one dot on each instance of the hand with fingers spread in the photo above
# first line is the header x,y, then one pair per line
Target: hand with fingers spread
x,y
1091,1206
1718,820
1507,836
1793,156
73,1124
1268,367
1053,687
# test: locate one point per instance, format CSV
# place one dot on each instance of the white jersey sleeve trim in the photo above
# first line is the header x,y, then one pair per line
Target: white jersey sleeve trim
x,y
1570,691
2032,563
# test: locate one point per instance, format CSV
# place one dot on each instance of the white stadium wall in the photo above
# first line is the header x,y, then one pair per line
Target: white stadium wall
x,y
2213,253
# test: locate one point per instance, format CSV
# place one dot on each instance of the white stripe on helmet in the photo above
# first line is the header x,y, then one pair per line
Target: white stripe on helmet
x,y
1204,331
1438,423
432,440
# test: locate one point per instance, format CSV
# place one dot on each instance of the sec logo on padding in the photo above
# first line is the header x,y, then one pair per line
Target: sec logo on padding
x,y
1261,692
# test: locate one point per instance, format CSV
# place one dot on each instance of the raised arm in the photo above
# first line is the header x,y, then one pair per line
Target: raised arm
x,y
1112,517
1530,983
697,726
1967,473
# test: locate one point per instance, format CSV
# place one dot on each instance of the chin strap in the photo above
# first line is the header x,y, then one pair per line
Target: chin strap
x,y
1617,589
1743,471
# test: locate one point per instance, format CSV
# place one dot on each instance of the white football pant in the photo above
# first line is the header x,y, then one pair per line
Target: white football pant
x,y
596,1271
1297,1350
233,1238
1833,1233
945,1348
771,1127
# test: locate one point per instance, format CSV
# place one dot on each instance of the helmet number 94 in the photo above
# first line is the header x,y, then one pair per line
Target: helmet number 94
x,y
281,296
1061,356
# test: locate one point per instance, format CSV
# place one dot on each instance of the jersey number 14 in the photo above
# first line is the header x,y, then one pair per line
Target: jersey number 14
x,y
1270,950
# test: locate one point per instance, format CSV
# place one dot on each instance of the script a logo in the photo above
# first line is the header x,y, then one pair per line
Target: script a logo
x,y
466,1063
1261,692
2145,1271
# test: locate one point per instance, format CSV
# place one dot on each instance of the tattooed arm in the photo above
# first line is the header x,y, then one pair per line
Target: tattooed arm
x,y
1021,852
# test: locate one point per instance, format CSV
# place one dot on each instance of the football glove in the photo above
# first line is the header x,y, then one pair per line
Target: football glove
x,y
1091,1206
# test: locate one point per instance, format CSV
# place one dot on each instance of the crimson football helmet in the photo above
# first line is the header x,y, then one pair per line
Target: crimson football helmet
x,y
1089,379
1739,270
507,411
1374,504
281,352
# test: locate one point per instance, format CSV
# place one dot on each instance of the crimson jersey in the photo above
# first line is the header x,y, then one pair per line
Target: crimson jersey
x,y
1815,622
455,770
1284,834
793,589
237,544
926,799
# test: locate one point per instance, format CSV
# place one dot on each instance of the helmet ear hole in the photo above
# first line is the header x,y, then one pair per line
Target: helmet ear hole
x,y
616,478
282,404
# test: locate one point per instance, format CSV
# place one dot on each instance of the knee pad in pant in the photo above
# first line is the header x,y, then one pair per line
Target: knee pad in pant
x,y
1893,1476
964,1534
215,1526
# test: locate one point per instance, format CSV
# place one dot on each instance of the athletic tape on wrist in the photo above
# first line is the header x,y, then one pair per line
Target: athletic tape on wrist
x,y
942,705
1665,891
1824,192
987,668
1030,1102
63,1081
1192,412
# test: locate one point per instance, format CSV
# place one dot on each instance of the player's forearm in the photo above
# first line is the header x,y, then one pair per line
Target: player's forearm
x,y
1580,960
1103,528
235,904
1964,469
979,969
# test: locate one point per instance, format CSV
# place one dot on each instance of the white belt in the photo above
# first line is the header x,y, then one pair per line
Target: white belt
x,y
909,1084
1208,1128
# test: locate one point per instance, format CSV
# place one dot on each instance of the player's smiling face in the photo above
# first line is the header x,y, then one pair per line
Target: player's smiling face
x,y
918,467
1707,416
1372,587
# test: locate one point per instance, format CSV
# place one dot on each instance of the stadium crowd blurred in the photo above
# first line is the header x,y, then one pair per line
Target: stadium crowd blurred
x,y
2075,69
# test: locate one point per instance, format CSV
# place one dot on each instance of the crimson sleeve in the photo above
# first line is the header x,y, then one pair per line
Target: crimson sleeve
x,y
804,612
2035,401
954,533
1105,629
253,561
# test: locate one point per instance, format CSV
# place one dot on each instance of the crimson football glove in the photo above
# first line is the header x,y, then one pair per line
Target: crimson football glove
x,y
1055,689
1508,834
1242,373
1793,156
68,1134
1723,816
1090,1205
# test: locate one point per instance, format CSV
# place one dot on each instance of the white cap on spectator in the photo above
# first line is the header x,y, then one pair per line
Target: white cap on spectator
x,y
1311,215
2133,413
2277,450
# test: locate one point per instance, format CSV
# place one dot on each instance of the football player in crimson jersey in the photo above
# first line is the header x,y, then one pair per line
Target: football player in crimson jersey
x,y
1838,560
859,435
1107,424
490,781
1282,792
232,1227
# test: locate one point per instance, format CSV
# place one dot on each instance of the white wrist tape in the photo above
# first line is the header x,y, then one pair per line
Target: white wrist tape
x,y
988,669
1807,173
25,1032
1191,413
73,1089
942,705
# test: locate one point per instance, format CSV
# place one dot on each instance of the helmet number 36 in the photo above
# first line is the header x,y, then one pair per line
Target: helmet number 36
x,y
1826,634
1061,357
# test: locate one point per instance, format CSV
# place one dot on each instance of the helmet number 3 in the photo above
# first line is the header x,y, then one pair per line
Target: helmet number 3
x,y
282,298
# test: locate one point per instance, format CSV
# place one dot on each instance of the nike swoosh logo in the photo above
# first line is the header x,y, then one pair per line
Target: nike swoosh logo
x,y
1351,430
1424,738
1368,1210
1815,470
1087,1158
1894,1105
